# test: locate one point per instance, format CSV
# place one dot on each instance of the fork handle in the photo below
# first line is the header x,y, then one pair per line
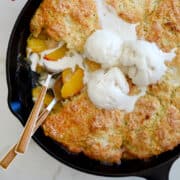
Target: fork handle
x,y
9,157
30,124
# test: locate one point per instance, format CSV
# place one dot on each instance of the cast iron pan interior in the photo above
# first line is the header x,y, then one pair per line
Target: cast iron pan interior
x,y
19,79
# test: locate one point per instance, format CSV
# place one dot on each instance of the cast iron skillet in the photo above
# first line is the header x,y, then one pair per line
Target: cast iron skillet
x,y
19,80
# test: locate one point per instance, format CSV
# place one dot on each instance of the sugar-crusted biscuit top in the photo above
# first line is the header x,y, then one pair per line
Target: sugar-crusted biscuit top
x,y
70,21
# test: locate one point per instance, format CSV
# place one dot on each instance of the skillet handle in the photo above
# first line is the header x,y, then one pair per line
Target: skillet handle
x,y
159,173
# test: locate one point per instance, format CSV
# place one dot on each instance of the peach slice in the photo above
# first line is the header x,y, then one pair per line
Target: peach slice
x,y
57,54
67,75
93,66
36,45
73,83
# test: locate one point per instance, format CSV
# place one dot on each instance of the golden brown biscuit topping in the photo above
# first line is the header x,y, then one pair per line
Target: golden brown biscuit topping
x,y
71,21
162,25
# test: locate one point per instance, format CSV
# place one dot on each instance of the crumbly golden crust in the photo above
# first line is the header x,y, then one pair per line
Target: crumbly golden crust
x,y
133,11
71,21
81,127
154,125
162,25
152,128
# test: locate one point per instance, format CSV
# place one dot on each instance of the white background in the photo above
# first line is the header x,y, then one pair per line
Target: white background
x,y
36,164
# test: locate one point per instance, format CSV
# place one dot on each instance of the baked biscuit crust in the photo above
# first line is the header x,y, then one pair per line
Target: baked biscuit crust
x,y
162,25
70,21
133,11
81,127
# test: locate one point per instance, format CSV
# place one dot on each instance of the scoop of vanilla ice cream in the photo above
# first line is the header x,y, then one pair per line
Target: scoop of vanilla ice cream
x,y
103,47
109,90
143,62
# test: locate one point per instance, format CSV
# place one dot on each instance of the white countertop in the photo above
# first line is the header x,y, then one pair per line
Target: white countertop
x,y
36,164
